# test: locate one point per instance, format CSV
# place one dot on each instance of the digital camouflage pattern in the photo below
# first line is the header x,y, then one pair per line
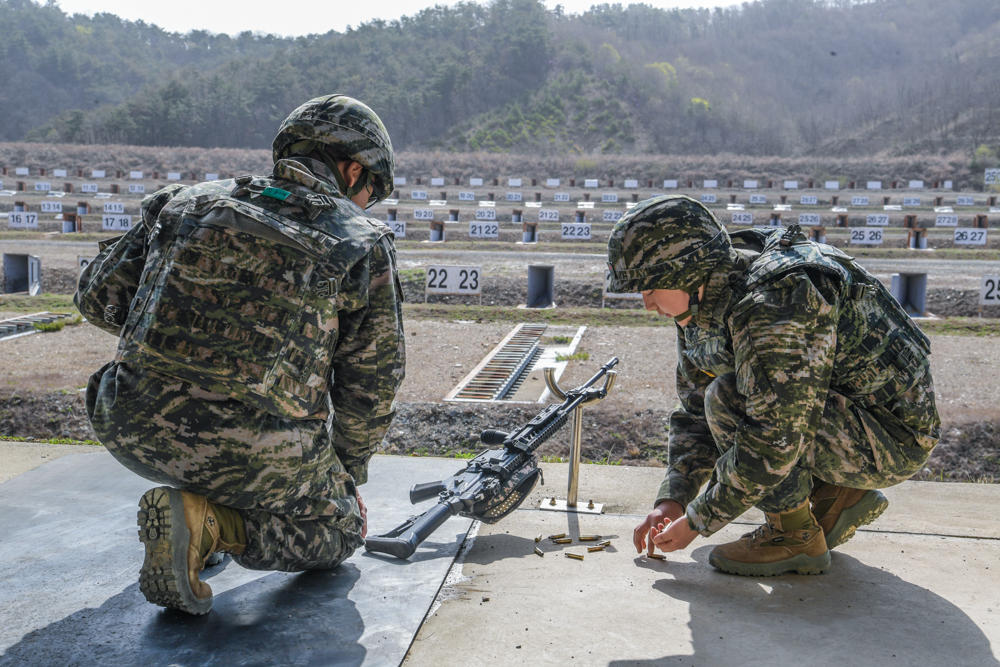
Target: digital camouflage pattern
x,y
348,129
241,291
667,242
805,368
293,480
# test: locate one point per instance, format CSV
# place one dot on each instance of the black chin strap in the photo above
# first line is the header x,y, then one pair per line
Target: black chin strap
x,y
693,301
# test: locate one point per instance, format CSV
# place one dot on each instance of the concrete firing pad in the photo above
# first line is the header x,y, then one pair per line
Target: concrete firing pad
x,y
69,593
889,599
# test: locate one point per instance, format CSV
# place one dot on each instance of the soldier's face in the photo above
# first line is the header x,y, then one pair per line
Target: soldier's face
x,y
666,302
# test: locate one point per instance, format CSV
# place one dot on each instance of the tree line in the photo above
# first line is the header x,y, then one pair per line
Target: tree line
x,y
771,77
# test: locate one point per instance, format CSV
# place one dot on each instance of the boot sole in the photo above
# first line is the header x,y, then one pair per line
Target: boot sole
x,y
801,564
862,513
163,578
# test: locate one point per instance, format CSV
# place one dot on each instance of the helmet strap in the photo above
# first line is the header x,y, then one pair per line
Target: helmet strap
x,y
692,310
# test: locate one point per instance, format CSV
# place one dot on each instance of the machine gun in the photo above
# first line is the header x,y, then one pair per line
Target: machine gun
x,y
497,481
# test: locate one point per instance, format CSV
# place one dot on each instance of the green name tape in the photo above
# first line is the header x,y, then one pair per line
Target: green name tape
x,y
276,193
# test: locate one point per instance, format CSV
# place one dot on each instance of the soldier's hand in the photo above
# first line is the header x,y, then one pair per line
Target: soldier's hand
x,y
364,516
674,537
665,512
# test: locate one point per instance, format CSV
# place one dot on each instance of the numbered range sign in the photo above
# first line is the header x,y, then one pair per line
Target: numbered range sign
x,y
809,200
22,220
484,230
946,221
989,291
742,218
82,263
612,216
877,220
758,199
486,214
43,187
398,228
466,196
970,237
992,177
454,280
965,201
859,201
575,230
548,215
116,223
51,207
88,187
560,196
114,207
809,220
866,236
418,194
136,188
708,199
609,198
911,201
513,196
423,214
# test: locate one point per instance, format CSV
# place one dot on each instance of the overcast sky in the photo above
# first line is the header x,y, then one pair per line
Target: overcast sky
x,y
308,16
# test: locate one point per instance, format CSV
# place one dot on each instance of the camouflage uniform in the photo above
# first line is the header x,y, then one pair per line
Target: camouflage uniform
x,y
289,462
785,372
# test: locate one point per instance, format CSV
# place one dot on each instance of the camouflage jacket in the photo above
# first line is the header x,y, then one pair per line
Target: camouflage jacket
x,y
368,352
788,340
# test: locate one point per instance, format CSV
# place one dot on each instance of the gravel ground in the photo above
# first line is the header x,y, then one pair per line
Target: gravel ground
x,y
44,372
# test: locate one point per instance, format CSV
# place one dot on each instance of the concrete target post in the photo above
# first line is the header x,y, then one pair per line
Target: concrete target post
x,y
529,232
817,234
910,290
22,273
541,286
437,232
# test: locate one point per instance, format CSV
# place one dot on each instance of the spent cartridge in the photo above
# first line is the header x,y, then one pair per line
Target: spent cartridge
x,y
563,540
538,539
557,537
539,552
597,548
574,556
589,538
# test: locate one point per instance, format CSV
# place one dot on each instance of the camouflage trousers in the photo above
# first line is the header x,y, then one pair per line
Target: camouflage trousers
x,y
862,448
298,503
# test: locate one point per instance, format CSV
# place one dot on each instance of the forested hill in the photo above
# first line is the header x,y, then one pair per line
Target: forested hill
x,y
773,77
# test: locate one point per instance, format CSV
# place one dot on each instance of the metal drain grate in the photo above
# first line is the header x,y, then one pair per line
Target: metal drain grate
x,y
19,326
496,375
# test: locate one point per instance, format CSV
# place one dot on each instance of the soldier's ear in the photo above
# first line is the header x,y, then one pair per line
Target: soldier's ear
x,y
351,171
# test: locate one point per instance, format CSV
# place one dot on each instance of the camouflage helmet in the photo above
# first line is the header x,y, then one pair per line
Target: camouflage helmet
x,y
343,128
667,242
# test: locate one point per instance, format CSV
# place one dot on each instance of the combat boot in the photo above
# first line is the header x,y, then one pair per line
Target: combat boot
x,y
791,541
180,530
840,510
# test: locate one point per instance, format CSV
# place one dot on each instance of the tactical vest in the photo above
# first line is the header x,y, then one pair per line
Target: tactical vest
x,y
881,353
239,291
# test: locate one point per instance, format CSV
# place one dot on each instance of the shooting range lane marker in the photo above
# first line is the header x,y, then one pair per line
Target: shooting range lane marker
x,y
449,589
494,376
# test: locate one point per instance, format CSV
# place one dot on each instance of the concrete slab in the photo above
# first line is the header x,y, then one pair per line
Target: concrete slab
x,y
914,507
889,599
17,458
69,595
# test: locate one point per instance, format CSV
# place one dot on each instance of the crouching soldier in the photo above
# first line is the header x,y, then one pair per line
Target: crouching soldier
x,y
261,348
803,386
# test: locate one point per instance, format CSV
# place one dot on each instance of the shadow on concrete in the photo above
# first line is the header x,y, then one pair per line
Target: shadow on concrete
x,y
855,615
266,621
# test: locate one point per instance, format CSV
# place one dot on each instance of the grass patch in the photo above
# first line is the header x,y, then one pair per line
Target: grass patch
x,y
962,326
562,340
511,315
50,441
22,303
578,356
57,325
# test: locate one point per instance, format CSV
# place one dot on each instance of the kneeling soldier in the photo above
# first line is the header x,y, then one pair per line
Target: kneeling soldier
x,y
261,348
804,387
